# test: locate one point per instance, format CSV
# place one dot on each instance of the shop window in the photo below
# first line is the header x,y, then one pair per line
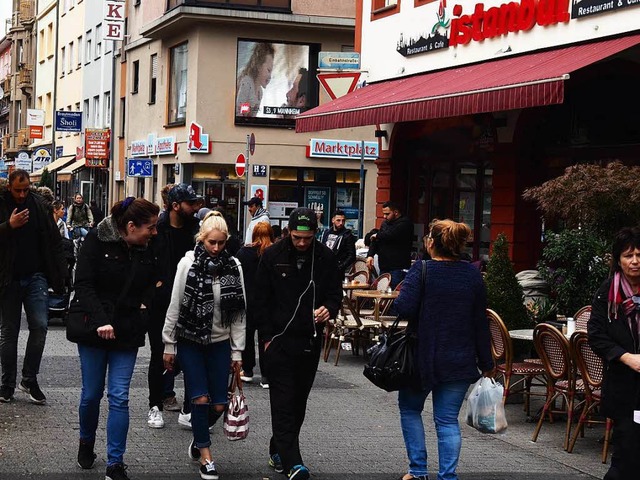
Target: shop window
x,y
384,8
308,176
178,84
287,174
352,176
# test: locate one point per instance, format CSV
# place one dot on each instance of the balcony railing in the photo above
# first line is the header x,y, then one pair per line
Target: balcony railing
x,y
25,77
255,5
23,137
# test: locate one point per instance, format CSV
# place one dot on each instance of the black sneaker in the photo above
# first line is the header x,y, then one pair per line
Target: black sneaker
x,y
276,463
6,394
194,452
86,456
117,471
33,390
208,471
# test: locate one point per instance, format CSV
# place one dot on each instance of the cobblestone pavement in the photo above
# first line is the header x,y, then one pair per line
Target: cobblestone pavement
x,y
351,431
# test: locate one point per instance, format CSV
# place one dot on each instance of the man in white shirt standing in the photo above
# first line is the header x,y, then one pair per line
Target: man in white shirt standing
x,y
258,213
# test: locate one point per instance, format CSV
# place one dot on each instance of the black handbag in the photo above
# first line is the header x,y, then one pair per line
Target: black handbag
x,y
392,364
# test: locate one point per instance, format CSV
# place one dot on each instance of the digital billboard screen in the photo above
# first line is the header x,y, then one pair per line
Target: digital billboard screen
x,y
274,82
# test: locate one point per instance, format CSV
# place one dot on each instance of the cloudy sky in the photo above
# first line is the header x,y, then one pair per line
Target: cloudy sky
x,y
5,12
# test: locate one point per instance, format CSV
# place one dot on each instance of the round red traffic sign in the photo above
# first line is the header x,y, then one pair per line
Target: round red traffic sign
x,y
241,165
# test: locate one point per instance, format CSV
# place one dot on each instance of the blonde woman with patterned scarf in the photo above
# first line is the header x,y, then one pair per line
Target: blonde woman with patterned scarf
x,y
205,328
614,335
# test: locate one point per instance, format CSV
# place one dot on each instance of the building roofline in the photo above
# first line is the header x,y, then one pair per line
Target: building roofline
x,y
167,23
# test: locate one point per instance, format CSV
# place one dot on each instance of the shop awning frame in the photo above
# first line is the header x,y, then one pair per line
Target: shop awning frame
x,y
529,80
74,167
53,166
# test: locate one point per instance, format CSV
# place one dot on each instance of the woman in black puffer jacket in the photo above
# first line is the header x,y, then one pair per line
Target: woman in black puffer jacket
x,y
115,279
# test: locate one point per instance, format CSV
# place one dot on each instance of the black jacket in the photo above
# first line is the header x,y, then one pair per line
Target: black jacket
x,y
106,265
344,247
55,263
609,339
280,286
393,244
162,248
249,259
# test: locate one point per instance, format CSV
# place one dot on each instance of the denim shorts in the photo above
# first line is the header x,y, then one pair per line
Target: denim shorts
x,y
206,369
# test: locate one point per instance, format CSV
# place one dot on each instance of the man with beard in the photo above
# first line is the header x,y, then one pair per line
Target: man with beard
x,y
177,227
340,241
297,289
31,261
392,243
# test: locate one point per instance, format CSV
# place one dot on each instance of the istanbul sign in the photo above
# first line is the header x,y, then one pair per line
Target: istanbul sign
x,y
483,24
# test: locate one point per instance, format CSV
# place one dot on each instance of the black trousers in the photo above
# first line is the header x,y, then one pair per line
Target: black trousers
x,y
625,460
156,365
291,366
249,352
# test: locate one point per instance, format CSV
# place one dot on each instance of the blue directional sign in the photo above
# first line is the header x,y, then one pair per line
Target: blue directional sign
x,y
139,167
68,121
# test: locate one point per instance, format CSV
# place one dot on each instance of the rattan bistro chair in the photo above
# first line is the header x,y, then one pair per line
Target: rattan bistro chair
x,y
582,317
502,352
591,370
553,348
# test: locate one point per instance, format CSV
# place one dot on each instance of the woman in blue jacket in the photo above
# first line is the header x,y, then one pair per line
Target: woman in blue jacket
x,y
453,345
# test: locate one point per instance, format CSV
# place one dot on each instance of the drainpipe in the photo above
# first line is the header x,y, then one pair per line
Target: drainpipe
x,y
55,97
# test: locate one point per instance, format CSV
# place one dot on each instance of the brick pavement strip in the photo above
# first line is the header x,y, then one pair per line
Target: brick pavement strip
x,y
351,431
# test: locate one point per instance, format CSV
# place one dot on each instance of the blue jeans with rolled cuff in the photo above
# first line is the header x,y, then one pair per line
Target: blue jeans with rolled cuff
x,y
32,292
206,374
447,401
117,367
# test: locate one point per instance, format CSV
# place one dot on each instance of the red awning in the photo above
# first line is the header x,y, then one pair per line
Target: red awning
x,y
530,80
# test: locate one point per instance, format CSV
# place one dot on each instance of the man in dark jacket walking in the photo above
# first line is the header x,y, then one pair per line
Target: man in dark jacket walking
x,y
341,241
32,260
177,228
392,243
298,288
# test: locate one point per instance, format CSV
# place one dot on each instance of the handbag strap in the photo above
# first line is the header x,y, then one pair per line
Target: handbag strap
x,y
236,381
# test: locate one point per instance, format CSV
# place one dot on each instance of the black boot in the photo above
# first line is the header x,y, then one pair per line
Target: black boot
x,y
86,457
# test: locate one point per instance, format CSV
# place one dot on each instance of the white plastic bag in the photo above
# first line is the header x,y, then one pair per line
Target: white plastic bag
x,y
485,411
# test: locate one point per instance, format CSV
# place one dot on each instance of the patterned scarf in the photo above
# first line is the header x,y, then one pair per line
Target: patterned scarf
x,y
195,318
621,299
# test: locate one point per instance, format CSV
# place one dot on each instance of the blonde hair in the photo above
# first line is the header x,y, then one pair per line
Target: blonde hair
x,y
212,221
449,237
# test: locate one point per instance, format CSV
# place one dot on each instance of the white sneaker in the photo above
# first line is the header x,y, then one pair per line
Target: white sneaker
x,y
246,377
184,419
154,418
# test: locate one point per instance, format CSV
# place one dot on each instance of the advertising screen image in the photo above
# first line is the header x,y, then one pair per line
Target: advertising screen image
x,y
273,82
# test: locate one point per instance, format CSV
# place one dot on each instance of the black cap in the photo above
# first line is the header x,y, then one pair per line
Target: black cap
x,y
183,192
303,219
253,201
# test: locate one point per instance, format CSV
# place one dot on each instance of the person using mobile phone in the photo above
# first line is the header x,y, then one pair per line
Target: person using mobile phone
x,y
31,260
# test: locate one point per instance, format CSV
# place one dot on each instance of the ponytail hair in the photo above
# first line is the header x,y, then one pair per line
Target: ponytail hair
x,y
449,237
131,209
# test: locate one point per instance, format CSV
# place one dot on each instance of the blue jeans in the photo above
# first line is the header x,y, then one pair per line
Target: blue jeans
x,y
206,374
447,400
32,292
94,363
80,232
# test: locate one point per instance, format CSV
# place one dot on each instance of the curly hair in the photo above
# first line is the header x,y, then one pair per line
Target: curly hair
x,y
258,57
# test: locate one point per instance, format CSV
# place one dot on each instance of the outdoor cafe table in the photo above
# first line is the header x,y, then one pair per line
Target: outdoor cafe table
x,y
377,296
527,334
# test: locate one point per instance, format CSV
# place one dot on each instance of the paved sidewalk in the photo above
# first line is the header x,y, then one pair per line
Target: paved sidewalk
x,y
351,431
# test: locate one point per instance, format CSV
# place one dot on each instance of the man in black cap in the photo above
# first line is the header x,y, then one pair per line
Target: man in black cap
x,y
258,213
177,228
298,288
341,241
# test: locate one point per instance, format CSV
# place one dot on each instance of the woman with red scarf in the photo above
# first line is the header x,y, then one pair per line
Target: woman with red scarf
x,y
614,335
